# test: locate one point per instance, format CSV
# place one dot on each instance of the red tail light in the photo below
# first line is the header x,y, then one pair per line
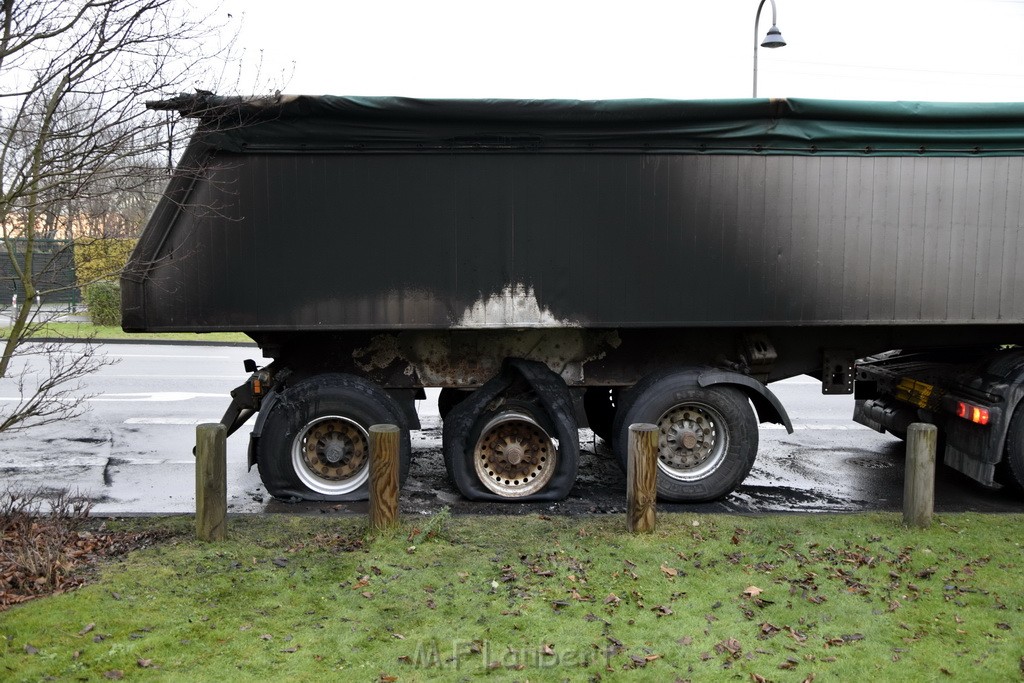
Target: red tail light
x,y
975,414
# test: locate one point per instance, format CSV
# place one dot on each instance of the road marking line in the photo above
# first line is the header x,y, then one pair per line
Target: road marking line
x,y
185,421
237,377
818,427
159,396
163,355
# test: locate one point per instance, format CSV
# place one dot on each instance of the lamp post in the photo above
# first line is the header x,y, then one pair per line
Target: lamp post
x,y
773,38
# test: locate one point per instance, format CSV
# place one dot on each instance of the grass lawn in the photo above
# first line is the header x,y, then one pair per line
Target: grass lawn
x,y
781,598
104,332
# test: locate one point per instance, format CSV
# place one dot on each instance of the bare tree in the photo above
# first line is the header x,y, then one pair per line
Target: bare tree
x,y
79,153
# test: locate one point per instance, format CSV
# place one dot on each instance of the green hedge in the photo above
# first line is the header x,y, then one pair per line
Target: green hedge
x,y
101,258
103,299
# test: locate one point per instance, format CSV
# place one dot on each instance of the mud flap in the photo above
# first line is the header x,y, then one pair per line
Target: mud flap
x,y
553,396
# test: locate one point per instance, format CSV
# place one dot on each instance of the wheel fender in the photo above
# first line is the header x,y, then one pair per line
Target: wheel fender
x,y
768,406
266,405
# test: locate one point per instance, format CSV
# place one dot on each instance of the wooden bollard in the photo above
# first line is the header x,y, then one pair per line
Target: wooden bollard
x,y
919,479
641,478
384,445
211,482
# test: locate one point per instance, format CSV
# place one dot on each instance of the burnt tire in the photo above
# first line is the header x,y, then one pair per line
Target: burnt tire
x,y
521,426
314,444
599,404
1011,469
707,435
449,398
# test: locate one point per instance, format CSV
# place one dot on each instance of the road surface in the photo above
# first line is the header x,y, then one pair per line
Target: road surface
x,y
131,451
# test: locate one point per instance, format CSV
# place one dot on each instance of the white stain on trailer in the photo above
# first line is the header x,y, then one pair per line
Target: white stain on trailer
x,y
515,306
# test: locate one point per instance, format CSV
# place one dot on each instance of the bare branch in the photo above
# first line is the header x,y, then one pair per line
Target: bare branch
x,y
81,156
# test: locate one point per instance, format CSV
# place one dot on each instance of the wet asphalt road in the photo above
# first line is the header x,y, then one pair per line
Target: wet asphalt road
x,y
131,453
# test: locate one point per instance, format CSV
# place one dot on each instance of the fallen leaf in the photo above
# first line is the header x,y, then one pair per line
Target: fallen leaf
x,y
612,599
661,610
638,662
266,636
291,649
280,562
669,571
730,645
387,678
548,650
86,629
752,591
144,663
31,650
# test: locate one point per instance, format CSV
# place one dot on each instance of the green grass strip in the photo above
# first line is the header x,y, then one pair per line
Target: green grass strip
x,y
83,330
781,598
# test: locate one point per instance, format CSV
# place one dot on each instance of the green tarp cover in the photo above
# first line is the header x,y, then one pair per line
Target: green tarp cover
x,y
749,126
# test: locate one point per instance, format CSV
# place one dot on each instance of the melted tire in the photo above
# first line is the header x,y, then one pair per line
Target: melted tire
x,y
658,396
358,403
551,408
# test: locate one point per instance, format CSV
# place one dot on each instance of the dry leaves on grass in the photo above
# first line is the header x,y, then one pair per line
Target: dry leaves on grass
x,y
42,553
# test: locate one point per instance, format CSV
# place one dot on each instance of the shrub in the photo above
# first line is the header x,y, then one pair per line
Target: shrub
x,y
101,258
103,299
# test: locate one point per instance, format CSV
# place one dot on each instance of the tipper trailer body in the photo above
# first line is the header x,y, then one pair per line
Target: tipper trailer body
x,y
550,262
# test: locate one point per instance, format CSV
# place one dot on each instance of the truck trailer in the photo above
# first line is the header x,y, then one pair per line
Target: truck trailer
x,y
556,264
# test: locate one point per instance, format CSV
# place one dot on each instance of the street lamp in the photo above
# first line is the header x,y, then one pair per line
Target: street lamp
x,y
773,39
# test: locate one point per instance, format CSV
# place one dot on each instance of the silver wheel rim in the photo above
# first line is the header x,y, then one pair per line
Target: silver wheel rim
x,y
693,441
514,456
331,455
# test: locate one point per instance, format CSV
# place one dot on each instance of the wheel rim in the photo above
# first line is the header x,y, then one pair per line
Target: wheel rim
x,y
331,455
693,441
514,456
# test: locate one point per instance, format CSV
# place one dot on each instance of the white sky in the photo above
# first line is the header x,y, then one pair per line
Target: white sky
x,y
940,50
